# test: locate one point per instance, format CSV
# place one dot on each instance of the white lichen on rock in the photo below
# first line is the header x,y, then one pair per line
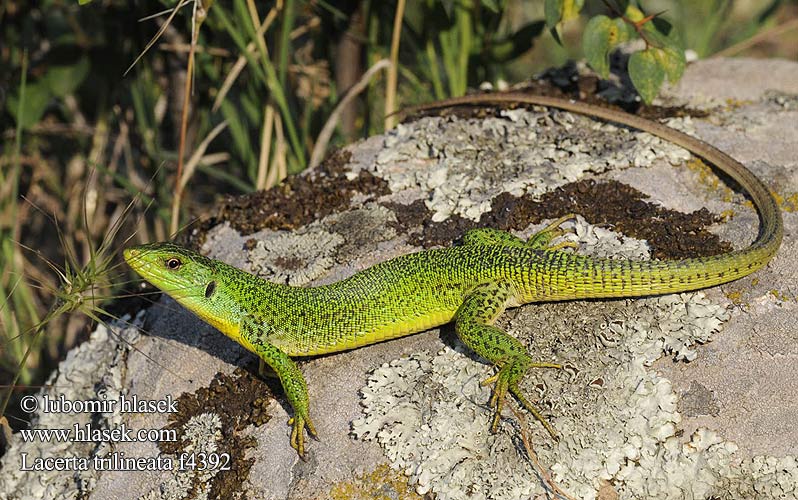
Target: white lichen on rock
x,y
463,170
597,241
306,255
428,413
76,379
618,420
200,435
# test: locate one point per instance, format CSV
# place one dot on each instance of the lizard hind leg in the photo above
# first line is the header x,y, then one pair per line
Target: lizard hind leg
x,y
491,236
473,324
543,238
538,241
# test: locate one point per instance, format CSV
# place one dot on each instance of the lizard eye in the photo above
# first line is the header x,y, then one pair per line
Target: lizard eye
x,y
173,264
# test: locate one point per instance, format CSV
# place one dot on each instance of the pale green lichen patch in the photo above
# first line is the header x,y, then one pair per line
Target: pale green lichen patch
x,y
428,412
782,99
303,256
200,436
618,420
295,258
468,162
601,242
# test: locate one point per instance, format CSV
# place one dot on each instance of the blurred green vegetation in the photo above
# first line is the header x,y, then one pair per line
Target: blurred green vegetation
x,y
82,139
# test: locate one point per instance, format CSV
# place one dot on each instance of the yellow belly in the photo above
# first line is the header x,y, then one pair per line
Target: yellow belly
x,y
391,331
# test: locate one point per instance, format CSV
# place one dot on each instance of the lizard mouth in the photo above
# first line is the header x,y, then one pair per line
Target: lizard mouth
x,y
147,265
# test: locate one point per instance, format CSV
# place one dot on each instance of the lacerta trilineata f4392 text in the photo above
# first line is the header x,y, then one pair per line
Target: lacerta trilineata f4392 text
x,y
470,284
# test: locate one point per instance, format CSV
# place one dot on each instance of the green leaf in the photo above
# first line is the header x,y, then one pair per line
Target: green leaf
x,y
552,10
633,14
448,6
646,73
672,61
557,11
83,2
664,27
37,97
596,44
601,35
668,48
571,9
64,80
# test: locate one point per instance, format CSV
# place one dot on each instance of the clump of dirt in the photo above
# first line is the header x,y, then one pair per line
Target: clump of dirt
x,y
300,199
671,234
239,400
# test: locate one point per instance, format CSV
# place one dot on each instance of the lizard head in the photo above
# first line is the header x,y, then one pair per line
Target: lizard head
x,y
198,283
176,270
206,287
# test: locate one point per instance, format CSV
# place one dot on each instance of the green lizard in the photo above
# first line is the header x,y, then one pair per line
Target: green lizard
x,y
470,284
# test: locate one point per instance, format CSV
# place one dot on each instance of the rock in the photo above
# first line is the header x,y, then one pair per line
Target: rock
x,y
415,403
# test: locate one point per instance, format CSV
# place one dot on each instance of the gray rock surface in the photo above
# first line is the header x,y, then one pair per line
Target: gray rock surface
x,y
682,396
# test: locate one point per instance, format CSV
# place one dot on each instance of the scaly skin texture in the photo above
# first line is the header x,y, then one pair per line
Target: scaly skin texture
x,y
469,284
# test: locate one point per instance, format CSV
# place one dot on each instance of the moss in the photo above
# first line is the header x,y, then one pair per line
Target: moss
x,y
670,233
300,199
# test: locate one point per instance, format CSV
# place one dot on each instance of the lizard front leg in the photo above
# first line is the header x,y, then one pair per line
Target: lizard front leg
x,y
474,326
292,380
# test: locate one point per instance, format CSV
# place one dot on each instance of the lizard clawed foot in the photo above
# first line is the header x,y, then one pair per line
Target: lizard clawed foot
x,y
299,423
543,238
506,380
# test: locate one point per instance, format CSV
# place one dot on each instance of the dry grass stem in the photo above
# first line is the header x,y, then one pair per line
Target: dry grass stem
x,y
544,473
265,147
329,126
393,70
241,62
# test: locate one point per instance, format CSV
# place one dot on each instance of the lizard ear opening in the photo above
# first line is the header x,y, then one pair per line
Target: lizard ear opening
x,y
210,289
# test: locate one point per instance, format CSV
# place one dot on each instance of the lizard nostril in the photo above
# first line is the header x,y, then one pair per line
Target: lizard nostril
x,y
130,254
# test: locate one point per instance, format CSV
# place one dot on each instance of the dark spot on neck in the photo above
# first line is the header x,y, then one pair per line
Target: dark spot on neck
x,y
210,289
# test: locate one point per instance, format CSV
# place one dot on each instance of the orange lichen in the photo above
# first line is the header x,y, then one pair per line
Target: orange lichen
x,y
708,178
787,202
736,103
383,483
736,296
782,296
